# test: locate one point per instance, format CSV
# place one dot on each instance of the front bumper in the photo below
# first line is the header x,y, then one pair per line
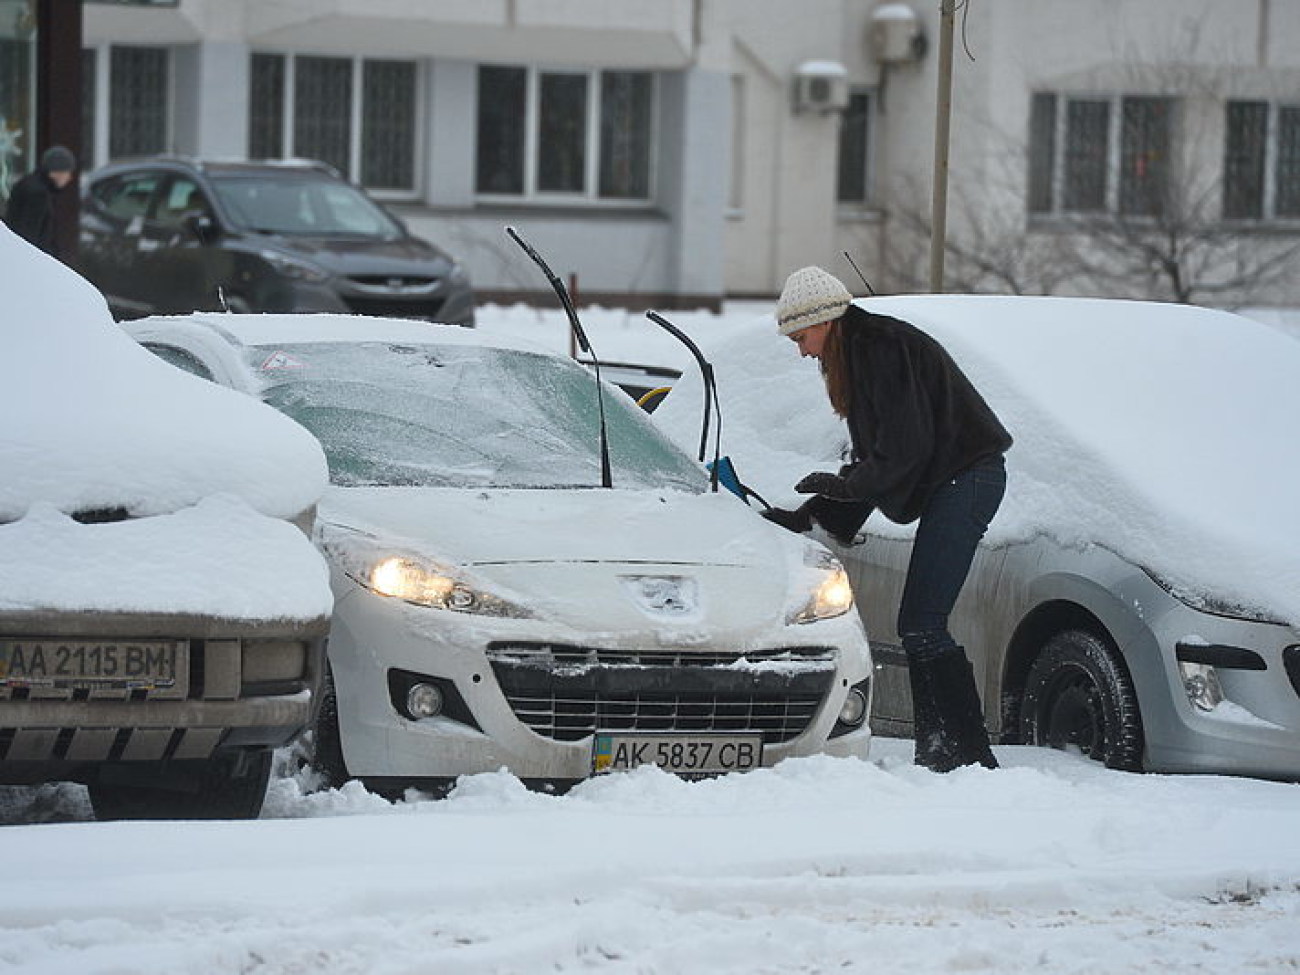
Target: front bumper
x,y
528,696
248,685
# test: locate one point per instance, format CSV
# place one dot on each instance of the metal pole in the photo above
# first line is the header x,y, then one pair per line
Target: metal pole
x,y
943,112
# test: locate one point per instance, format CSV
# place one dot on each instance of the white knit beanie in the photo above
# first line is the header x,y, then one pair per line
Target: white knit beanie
x,y
810,296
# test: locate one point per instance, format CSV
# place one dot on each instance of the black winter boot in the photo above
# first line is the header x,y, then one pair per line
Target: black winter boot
x,y
947,718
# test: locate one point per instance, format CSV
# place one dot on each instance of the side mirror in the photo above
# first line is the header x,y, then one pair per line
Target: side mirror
x,y
202,226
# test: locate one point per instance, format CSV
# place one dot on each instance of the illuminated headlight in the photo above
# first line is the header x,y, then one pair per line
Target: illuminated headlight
x,y
412,579
1201,682
417,582
831,595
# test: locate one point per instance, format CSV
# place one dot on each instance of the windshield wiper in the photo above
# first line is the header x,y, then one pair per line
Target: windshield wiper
x,y
605,479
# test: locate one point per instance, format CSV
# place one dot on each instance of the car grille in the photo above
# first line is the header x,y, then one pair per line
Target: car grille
x,y
569,693
426,308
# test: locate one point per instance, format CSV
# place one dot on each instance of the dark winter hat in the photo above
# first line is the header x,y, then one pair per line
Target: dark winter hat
x,y
57,159
810,296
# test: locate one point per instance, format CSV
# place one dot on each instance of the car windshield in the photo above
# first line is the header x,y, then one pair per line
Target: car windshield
x,y
295,206
464,416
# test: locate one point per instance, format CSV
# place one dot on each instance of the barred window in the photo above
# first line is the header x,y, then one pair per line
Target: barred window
x,y
1099,154
853,180
266,107
1244,158
357,114
137,106
1261,161
564,134
1087,134
388,125
1144,157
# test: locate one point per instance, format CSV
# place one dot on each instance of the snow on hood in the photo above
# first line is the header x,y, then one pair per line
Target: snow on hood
x,y
89,419
1164,432
479,527
218,558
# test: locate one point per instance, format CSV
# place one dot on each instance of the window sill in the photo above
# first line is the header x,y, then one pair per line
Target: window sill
x,y
859,213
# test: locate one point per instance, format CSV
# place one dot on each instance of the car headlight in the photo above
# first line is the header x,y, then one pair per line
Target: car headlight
x,y
412,578
291,267
831,593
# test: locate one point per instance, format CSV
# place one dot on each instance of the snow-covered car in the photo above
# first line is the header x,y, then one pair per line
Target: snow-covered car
x,y
496,607
162,609
1137,597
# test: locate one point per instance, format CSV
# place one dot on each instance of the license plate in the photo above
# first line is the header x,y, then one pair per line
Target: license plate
x,y
682,754
93,663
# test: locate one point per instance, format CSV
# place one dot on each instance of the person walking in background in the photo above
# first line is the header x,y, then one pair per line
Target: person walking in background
x,y
925,446
30,213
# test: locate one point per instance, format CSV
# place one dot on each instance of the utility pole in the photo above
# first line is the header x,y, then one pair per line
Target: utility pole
x,y
943,113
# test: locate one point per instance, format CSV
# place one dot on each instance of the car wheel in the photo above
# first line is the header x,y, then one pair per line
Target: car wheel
x,y
232,786
1078,695
327,744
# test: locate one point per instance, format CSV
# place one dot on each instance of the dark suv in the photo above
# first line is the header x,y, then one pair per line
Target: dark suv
x,y
173,235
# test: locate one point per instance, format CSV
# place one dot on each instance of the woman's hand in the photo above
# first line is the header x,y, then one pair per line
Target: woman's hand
x,y
827,485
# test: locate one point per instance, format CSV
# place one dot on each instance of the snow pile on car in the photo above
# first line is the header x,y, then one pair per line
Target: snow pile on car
x,y
1163,432
94,426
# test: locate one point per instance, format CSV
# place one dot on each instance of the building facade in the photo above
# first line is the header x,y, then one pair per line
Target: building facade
x,y
680,151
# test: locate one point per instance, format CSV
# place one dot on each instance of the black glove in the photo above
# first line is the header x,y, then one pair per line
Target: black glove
x,y
798,520
827,485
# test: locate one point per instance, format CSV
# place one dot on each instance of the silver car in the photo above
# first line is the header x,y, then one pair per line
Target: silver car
x,y
495,607
1137,598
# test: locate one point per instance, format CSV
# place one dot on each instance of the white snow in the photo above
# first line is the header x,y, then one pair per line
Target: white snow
x,y
1051,864
90,420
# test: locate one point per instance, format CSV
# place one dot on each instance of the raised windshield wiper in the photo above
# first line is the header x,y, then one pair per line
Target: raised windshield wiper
x,y
606,480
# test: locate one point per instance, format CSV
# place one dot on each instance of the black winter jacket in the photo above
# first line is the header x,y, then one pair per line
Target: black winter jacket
x,y
915,420
30,213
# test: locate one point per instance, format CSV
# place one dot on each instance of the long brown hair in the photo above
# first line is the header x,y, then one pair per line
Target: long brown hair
x,y
835,369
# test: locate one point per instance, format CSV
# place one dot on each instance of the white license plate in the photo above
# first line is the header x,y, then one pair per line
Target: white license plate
x,y
93,663
681,754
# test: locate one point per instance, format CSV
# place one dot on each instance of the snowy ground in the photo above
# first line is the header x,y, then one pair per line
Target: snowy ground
x,y
1050,864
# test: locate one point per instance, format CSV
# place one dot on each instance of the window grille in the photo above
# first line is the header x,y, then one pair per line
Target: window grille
x,y
625,100
388,125
266,107
1144,157
322,110
502,107
137,101
1087,149
852,183
562,134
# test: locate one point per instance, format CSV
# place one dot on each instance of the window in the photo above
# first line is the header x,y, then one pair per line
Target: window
x,y
854,182
584,134
1099,154
137,101
358,115
1261,165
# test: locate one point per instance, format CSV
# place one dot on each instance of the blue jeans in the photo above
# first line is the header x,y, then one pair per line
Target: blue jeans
x,y
952,524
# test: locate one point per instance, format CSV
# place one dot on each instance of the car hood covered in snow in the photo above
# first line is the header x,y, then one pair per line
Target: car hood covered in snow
x,y
563,548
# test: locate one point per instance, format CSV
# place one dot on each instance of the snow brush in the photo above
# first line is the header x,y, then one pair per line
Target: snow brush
x,y
721,469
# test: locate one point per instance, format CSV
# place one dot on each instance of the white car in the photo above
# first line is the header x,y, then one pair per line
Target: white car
x,y
495,606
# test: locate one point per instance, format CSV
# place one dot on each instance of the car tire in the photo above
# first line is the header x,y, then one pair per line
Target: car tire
x,y
1079,695
327,743
232,786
